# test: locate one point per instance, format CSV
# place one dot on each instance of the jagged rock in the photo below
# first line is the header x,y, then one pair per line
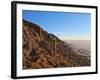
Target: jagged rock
x,y
39,50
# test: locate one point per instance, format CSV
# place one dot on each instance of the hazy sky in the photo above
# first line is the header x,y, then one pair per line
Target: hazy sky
x,y
65,25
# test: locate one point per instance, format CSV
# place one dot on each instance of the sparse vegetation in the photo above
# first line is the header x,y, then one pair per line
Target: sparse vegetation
x,y
44,50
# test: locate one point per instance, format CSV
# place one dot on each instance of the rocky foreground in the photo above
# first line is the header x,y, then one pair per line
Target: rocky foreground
x,y
44,50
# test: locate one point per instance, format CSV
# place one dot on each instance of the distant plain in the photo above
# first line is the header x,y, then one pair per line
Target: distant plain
x,y
81,45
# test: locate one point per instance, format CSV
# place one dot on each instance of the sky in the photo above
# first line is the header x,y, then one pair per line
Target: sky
x,y
65,25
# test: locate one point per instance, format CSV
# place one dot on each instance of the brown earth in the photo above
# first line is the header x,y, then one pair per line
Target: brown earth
x,y
44,50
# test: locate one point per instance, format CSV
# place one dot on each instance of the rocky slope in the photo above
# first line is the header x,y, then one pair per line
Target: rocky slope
x,y
44,50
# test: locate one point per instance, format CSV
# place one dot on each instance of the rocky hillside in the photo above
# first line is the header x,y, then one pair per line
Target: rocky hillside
x,y
44,50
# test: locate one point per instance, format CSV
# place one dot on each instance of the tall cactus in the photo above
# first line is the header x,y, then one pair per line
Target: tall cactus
x,y
40,33
55,41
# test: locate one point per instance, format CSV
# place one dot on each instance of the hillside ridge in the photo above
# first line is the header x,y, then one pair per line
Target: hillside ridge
x,y
45,50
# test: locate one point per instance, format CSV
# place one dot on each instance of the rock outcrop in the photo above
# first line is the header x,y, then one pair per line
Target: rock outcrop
x,y
44,50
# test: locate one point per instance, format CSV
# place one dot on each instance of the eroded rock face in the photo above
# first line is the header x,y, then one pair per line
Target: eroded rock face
x,y
39,50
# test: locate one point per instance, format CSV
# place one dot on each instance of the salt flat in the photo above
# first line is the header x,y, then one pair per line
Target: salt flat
x,y
84,46
80,44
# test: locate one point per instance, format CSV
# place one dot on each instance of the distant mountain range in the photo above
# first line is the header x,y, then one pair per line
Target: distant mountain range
x,y
45,50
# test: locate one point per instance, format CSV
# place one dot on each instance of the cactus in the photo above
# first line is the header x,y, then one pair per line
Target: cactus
x,y
55,41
